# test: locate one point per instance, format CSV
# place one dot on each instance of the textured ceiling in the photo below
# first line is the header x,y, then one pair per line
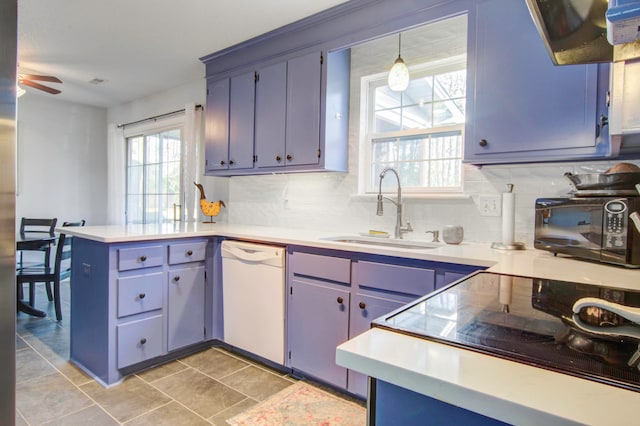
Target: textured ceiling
x,y
138,47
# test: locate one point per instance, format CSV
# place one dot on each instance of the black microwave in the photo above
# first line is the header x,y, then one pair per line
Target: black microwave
x,y
592,228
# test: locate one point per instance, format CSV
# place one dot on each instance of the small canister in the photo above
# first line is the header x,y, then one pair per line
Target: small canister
x,y
452,234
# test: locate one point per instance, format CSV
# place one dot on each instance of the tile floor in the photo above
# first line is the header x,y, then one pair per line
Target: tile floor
x,y
201,389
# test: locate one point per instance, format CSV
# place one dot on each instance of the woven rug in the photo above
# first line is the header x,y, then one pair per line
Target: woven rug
x,y
302,405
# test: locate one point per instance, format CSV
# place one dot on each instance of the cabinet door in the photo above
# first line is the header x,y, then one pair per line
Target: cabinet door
x,y
217,126
241,121
525,107
139,340
186,307
271,110
318,321
303,109
365,309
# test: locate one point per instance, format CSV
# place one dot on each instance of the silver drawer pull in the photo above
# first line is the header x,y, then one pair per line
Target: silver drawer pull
x,y
141,296
143,341
143,258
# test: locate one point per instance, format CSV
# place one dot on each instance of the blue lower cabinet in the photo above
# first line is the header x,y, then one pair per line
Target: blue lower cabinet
x,y
334,296
135,302
364,309
393,405
318,321
185,307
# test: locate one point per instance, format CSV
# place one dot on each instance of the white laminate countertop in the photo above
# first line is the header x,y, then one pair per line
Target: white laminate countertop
x,y
509,391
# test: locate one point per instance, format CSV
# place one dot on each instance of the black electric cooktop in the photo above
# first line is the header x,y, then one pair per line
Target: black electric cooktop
x,y
532,320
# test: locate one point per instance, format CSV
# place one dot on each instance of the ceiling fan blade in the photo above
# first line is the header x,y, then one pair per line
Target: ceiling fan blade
x,y
48,78
39,87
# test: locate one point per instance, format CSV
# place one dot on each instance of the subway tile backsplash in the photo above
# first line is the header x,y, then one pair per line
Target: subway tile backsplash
x,y
329,201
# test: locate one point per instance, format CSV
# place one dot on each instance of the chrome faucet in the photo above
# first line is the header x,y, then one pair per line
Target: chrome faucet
x,y
399,229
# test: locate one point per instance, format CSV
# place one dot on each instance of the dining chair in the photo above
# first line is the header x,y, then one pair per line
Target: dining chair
x,y
61,270
47,286
36,226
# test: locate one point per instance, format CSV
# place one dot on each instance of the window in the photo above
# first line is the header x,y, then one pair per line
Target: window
x,y
153,176
419,132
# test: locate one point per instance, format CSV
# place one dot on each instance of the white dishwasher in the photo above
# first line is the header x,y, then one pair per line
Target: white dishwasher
x,y
253,294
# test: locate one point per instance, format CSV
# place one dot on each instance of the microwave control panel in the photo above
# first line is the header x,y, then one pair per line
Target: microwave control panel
x,y
615,224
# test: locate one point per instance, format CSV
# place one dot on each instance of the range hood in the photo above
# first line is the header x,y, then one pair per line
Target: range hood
x,y
573,31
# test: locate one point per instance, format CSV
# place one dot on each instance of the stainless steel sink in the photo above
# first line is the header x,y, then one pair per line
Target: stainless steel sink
x,y
384,242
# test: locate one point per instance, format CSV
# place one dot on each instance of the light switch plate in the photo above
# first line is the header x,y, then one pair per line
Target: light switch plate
x,y
490,205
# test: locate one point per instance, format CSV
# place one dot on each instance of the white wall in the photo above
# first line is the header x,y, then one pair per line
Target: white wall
x,y
62,151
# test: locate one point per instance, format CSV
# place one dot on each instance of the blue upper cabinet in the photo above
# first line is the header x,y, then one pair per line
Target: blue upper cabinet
x,y
241,121
302,141
271,115
520,106
277,117
217,126
229,124
288,112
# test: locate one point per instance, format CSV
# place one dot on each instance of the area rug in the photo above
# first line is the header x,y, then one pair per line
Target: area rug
x,y
302,405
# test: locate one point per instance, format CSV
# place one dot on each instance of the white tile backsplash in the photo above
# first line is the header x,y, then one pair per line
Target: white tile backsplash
x,y
329,201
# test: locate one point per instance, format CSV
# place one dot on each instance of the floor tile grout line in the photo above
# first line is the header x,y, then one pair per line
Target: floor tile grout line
x,y
218,380
64,376
169,396
157,408
54,366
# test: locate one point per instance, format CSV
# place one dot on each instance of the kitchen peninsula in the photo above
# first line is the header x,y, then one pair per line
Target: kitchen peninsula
x,y
496,388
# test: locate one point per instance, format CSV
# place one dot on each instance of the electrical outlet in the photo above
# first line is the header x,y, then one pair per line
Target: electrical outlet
x,y
490,205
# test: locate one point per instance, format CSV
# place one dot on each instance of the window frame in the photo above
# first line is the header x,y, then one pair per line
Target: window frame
x,y
368,84
144,130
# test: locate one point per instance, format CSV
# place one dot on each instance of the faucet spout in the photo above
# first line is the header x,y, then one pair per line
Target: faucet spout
x,y
400,228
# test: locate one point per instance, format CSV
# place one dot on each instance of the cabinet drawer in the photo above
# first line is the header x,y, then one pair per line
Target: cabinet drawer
x,y
187,252
139,340
139,257
400,279
140,293
323,267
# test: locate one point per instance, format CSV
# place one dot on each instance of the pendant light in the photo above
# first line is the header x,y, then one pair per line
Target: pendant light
x,y
399,74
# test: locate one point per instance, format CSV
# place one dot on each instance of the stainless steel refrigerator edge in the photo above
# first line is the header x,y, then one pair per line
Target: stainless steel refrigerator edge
x,y
9,49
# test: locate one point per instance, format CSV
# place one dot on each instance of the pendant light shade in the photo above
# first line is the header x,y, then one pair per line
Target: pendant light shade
x,y
399,75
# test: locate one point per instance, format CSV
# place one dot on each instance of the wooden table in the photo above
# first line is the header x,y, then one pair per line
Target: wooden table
x,y
32,241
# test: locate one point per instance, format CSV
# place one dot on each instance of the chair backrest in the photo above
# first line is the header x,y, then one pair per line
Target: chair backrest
x,y
63,256
38,225
81,223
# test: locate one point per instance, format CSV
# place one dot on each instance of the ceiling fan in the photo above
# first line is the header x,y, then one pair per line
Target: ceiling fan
x,y
30,80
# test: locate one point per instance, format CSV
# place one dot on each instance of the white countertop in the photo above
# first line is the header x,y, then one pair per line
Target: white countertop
x,y
509,391
530,262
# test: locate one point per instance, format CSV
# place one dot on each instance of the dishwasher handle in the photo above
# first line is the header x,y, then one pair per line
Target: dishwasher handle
x,y
251,255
